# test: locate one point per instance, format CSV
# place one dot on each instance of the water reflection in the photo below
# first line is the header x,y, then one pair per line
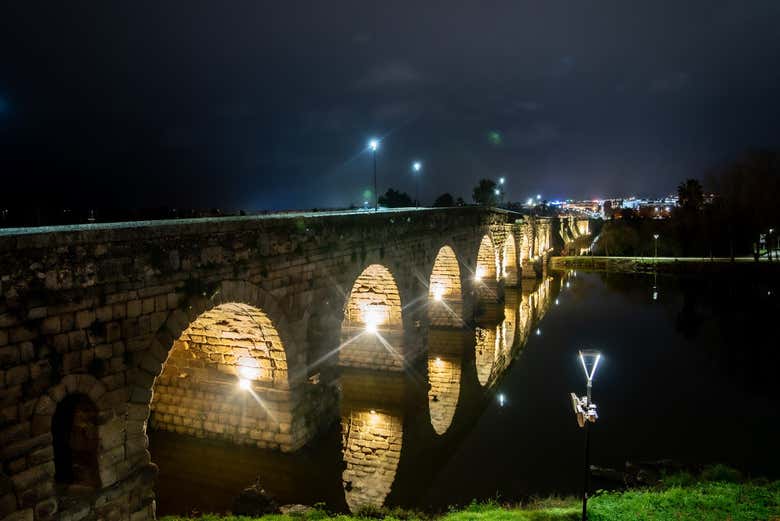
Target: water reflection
x,y
397,428
372,434
445,357
497,340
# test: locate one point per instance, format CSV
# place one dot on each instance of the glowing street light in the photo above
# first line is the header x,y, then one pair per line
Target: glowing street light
x,y
530,201
538,197
501,180
416,167
655,255
585,411
373,145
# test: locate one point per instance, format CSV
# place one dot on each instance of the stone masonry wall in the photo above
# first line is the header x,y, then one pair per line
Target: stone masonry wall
x,y
97,309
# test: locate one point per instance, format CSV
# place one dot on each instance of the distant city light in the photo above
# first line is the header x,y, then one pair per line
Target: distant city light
x,y
530,201
501,399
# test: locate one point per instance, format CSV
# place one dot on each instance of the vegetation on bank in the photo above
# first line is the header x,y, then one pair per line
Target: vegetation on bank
x,y
717,494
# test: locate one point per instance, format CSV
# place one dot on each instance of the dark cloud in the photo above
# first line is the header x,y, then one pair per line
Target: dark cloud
x,y
270,105
673,82
388,75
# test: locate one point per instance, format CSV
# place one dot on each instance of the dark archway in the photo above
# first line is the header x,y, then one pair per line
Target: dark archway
x,y
75,441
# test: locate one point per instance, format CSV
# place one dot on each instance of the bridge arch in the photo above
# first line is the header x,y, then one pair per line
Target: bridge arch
x,y
485,270
372,327
445,296
509,265
225,357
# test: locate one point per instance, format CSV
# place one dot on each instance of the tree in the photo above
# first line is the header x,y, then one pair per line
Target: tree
x,y
460,202
485,193
444,200
690,195
395,199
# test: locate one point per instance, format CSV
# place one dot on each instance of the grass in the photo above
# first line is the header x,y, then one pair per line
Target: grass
x,y
717,494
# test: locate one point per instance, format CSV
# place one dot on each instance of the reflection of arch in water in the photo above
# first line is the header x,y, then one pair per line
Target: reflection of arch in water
x,y
485,273
445,299
198,392
444,375
372,328
485,352
372,435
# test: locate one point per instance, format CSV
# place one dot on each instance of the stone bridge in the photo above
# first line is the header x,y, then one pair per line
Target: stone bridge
x,y
228,328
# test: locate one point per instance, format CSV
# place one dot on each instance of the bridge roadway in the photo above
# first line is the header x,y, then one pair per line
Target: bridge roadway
x,y
105,328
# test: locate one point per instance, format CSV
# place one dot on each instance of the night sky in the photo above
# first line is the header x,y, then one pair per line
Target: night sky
x,y
267,105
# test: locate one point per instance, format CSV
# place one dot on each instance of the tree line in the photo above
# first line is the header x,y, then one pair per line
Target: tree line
x,y
735,222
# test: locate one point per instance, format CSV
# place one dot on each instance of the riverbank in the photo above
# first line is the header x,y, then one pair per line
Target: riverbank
x,y
703,501
679,265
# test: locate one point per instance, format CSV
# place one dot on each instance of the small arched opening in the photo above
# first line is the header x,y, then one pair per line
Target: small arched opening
x,y
75,441
445,300
372,327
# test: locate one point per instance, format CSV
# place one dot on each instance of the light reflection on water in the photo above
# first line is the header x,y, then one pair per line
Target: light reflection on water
x,y
437,435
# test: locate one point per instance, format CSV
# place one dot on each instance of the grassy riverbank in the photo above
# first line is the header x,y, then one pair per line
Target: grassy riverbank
x,y
678,499
681,265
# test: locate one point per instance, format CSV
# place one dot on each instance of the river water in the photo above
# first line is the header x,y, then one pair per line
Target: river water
x,y
688,373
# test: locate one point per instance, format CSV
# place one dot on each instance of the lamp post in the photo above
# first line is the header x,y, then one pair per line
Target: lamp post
x,y
655,242
416,167
373,144
585,411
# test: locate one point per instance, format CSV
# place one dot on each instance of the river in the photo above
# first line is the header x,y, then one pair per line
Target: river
x,y
688,372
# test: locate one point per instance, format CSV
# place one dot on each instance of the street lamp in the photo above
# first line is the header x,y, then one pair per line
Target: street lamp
x,y
373,145
501,180
655,255
585,411
416,167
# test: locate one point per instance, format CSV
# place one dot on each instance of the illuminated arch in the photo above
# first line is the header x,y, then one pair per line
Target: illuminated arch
x,y
226,377
485,272
444,291
444,376
509,261
372,327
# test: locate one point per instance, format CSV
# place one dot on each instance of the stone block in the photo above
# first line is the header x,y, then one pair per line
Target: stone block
x,y
104,313
85,318
46,508
33,475
17,375
51,325
21,515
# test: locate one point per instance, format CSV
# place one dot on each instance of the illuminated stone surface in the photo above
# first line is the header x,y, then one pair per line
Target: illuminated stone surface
x,y
107,310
